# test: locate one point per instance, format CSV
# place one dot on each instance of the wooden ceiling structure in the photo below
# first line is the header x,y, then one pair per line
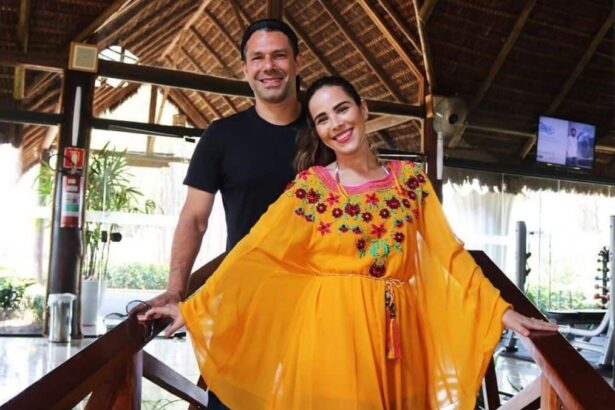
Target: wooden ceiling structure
x,y
511,61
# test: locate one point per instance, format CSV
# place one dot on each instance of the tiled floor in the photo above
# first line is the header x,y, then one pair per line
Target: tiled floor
x,y
24,360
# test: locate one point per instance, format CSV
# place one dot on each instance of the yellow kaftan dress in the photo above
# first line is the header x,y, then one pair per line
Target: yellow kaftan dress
x,y
347,298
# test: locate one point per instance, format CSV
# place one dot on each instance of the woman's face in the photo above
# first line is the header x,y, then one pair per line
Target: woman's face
x,y
338,120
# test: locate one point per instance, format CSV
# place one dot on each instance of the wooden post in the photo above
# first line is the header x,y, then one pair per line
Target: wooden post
x,y
548,397
67,242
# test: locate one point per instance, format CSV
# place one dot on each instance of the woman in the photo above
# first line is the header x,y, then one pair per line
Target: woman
x,y
351,292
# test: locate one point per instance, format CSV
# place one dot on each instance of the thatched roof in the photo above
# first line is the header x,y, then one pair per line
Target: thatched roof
x,y
511,60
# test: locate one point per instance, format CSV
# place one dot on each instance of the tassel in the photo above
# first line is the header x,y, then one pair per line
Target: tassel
x,y
393,342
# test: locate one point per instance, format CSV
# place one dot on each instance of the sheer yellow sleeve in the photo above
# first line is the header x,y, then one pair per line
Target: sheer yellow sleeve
x,y
461,310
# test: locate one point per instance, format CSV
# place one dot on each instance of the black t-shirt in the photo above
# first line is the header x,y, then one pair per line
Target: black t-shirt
x,y
249,161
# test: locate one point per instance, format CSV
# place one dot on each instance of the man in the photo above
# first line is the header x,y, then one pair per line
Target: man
x,y
247,156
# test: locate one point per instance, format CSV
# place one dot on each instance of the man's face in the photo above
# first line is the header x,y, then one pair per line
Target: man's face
x,y
270,67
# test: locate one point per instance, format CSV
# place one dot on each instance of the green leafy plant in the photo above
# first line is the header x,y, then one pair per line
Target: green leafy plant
x,y
138,276
12,295
108,189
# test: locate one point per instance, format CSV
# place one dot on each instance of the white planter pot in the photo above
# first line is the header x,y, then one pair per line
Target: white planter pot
x,y
91,296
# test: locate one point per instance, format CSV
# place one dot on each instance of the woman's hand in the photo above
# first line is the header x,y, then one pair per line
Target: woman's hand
x,y
169,310
523,324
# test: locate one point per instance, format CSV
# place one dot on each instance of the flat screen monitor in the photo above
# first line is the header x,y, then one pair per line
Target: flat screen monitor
x,y
565,142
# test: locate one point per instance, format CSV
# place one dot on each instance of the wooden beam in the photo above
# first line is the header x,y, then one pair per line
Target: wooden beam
x,y
214,54
425,50
195,116
275,9
383,26
388,140
23,29
384,122
401,23
363,52
100,20
206,101
241,19
187,25
309,44
582,63
151,118
496,65
223,30
35,61
426,9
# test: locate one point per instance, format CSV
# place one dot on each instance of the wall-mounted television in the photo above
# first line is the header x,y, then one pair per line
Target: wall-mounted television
x,y
565,142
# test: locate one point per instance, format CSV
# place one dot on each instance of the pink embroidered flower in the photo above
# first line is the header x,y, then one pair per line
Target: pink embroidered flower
x,y
303,174
384,213
360,244
376,270
336,212
366,216
412,183
300,193
371,199
378,230
313,196
352,209
393,203
324,228
321,208
398,236
332,199
405,202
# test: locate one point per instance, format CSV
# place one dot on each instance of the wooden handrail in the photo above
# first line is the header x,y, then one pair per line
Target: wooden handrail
x,y
576,384
567,380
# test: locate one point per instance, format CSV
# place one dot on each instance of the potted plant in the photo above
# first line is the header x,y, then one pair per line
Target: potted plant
x,y
108,189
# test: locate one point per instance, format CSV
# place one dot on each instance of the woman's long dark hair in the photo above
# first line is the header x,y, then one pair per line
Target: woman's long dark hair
x,y
310,149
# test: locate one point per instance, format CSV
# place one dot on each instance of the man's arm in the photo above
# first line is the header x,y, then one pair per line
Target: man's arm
x,y
187,239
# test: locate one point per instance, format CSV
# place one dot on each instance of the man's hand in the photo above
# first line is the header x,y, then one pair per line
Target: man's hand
x,y
165,298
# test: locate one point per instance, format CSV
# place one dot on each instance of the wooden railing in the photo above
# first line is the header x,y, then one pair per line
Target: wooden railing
x,y
111,368
566,381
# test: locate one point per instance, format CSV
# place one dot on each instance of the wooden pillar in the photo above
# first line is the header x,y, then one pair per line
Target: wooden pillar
x,y
67,241
429,146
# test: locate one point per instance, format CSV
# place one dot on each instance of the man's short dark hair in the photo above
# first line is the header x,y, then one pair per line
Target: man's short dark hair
x,y
269,25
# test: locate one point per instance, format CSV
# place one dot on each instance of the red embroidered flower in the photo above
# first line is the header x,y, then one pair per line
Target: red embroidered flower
x,y
408,218
313,196
416,213
324,228
405,202
352,209
337,212
303,174
343,228
376,270
321,208
299,211
393,203
300,193
289,185
412,183
378,230
412,194
366,216
332,199
309,218
399,223
398,236
384,213
357,230
360,244
371,199
421,178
